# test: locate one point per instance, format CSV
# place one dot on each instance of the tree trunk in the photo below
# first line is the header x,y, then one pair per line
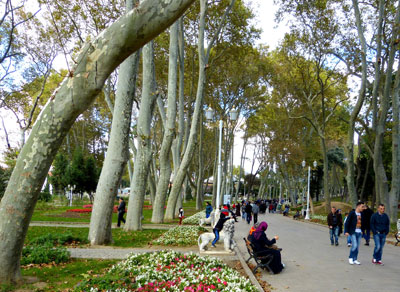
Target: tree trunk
x,y
117,152
97,60
144,153
169,129
200,178
395,185
356,110
381,182
326,175
203,60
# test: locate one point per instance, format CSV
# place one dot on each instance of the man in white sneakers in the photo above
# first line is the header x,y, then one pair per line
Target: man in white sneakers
x,y
380,226
352,227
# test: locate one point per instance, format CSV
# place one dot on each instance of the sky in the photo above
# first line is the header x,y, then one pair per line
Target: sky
x,y
264,10
271,35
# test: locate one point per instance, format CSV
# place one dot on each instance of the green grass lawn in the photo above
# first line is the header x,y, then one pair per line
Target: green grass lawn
x,y
54,212
62,277
121,238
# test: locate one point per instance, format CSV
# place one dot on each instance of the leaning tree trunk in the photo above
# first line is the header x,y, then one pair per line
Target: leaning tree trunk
x,y
97,60
200,178
326,176
169,129
144,153
117,152
381,181
395,185
203,60
356,109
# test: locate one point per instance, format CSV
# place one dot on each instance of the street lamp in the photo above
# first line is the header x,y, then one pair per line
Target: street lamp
x,y
303,163
233,115
209,117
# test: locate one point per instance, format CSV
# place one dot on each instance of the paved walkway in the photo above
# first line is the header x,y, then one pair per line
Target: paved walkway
x,y
313,265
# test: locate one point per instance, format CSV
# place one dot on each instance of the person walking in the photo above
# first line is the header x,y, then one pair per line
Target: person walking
x,y
348,236
380,226
181,215
334,221
121,211
365,224
208,209
353,228
255,210
248,210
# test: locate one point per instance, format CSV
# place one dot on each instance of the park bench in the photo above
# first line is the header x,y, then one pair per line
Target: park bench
x,y
258,259
397,235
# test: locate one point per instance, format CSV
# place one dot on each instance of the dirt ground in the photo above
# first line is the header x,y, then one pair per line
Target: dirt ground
x,y
345,207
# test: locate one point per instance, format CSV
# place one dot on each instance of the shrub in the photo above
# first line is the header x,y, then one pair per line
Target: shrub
x,y
43,254
56,239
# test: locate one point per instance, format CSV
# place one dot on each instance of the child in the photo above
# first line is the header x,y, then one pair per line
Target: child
x,y
180,214
218,227
348,236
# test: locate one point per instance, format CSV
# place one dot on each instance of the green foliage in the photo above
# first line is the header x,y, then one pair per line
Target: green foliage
x,y
56,238
58,176
82,172
45,195
4,177
45,253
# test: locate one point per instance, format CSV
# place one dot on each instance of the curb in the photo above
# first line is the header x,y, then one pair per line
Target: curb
x,y
246,268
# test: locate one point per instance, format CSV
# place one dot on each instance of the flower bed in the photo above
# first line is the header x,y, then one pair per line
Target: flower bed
x,y
87,210
194,219
180,235
168,271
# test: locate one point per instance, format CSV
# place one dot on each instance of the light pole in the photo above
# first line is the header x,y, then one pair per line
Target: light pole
x,y
233,115
303,163
209,117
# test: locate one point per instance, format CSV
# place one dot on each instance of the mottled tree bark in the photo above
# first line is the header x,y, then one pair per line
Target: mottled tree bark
x,y
96,61
117,151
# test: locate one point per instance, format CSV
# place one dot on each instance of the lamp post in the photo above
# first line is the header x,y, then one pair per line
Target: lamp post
x,y
209,117
303,163
233,115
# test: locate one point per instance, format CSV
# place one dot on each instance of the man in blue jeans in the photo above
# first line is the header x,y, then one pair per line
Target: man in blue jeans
x,y
334,221
353,228
380,226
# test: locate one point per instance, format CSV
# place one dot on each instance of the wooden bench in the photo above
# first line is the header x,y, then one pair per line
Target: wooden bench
x,y
261,261
397,235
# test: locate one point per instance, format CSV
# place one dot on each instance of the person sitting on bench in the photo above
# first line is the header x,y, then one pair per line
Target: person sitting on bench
x,y
263,246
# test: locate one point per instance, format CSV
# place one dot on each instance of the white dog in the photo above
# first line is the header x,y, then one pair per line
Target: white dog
x,y
207,221
226,235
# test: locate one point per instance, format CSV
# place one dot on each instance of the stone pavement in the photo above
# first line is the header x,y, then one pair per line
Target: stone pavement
x,y
313,265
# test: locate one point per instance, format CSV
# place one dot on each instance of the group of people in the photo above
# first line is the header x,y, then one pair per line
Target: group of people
x,y
357,224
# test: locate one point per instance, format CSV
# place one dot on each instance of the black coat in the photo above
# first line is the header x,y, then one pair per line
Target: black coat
x,y
261,245
366,219
351,223
121,207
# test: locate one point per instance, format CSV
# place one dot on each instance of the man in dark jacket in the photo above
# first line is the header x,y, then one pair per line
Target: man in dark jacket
x,y
121,211
380,226
365,224
248,209
334,221
353,227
